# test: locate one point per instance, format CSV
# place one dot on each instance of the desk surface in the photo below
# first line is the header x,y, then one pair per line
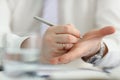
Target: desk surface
x,y
3,77
66,75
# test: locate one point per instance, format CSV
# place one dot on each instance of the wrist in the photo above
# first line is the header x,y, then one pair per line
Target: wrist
x,y
95,58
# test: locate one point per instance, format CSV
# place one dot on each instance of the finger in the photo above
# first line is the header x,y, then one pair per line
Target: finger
x,y
64,46
66,29
100,33
57,52
66,38
67,57
107,31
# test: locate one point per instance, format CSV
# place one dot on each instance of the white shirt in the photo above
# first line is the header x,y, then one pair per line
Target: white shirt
x,y
84,14
50,13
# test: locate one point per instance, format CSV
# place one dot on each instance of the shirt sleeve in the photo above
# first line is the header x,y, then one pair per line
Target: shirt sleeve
x,y
6,12
108,14
14,41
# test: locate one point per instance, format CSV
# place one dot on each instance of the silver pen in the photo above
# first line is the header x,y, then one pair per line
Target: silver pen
x,y
44,21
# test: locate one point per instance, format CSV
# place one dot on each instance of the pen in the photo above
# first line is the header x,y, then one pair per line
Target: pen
x,y
44,21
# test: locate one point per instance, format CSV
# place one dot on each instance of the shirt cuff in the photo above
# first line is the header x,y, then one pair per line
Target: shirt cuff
x,y
14,41
112,58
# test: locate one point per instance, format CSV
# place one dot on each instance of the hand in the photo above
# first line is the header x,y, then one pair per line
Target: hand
x,y
88,45
58,40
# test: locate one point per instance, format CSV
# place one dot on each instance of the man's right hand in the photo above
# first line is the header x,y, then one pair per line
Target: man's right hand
x,y
58,40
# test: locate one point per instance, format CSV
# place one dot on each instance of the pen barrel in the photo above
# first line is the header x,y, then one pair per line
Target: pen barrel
x,y
44,21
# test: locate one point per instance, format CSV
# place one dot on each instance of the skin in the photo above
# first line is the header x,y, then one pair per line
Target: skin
x,y
58,40
85,47
63,44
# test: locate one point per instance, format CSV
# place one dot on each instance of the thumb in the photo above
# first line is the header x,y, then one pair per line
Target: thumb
x,y
100,33
106,31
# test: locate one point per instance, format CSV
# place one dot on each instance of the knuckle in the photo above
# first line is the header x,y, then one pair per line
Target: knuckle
x,y
49,29
64,59
61,46
48,32
71,25
48,39
55,50
68,46
69,38
53,54
66,28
